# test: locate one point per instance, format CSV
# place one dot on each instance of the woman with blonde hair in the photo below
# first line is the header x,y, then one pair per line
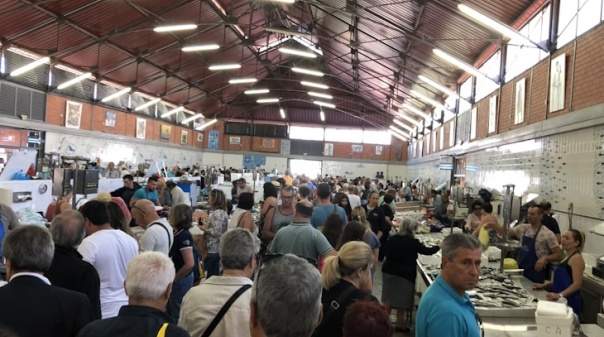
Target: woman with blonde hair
x,y
370,238
346,279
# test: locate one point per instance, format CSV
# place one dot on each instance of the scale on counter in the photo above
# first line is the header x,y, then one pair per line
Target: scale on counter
x,y
598,270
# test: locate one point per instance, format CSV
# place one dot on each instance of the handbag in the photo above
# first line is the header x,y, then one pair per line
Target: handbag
x,y
20,176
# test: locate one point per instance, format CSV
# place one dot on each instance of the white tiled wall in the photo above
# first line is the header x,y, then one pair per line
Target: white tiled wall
x,y
562,168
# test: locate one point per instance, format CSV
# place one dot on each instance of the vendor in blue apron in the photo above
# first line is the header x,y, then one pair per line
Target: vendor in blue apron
x,y
568,275
539,246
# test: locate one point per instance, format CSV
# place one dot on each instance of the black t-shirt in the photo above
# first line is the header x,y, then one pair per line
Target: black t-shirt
x,y
551,223
182,240
401,255
377,220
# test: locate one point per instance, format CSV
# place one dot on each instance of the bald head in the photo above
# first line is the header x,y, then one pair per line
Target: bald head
x,y
143,212
304,210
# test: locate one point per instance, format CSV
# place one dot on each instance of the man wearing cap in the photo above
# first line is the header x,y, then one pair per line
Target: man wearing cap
x,y
242,187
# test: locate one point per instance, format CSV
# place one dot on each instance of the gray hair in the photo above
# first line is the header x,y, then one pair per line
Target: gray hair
x,y
149,275
237,247
458,240
408,227
67,229
287,297
29,248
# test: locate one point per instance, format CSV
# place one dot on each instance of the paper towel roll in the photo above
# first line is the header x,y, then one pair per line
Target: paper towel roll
x,y
6,196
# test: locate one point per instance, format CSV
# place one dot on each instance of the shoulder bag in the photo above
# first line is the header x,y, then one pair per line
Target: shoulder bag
x,y
224,310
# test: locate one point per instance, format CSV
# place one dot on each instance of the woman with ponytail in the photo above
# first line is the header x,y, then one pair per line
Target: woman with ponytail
x,y
568,275
346,279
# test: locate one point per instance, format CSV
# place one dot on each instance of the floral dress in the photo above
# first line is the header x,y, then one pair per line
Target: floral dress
x,y
218,225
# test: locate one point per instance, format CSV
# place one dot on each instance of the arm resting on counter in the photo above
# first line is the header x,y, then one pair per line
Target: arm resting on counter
x,y
577,264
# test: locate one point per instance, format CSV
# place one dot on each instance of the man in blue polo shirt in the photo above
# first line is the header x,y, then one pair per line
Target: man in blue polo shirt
x,y
445,309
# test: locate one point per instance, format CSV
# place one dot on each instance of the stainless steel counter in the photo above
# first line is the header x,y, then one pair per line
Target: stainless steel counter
x,y
589,330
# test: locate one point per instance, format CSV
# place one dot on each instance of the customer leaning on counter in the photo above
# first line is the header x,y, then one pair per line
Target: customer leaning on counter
x,y
568,275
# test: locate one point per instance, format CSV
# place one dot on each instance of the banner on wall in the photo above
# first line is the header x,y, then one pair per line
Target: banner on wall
x,y
252,162
285,146
213,140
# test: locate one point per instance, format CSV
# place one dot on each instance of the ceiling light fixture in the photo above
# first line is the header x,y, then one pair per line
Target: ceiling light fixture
x,y
417,111
205,125
460,64
74,81
174,28
148,104
399,131
322,116
225,66
307,71
318,94
30,66
297,52
325,104
201,47
314,85
192,118
494,25
439,86
256,91
429,100
409,119
394,134
116,95
284,1
282,112
286,32
242,80
172,112
402,125
267,100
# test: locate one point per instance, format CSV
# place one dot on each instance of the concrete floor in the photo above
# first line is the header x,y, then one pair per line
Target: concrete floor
x,y
377,292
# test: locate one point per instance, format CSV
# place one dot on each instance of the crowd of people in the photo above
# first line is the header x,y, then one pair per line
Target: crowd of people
x,y
304,269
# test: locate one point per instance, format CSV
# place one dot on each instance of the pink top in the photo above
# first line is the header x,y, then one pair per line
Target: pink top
x,y
123,206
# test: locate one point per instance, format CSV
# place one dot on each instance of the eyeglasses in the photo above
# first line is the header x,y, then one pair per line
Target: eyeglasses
x,y
477,208
140,209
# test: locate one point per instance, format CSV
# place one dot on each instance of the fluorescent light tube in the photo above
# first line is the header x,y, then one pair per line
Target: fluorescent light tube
x,y
267,100
73,81
30,66
404,126
225,66
172,112
174,28
399,131
322,116
256,91
429,100
494,25
116,95
297,52
201,47
148,104
439,86
282,112
192,118
205,125
417,111
394,134
242,80
314,85
287,32
460,64
283,1
307,71
325,104
409,119
318,94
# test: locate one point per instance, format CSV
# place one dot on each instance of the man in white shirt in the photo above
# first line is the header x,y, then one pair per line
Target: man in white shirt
x,y
178,195
111,172
242,186
238,249
109,251
353,197
158,236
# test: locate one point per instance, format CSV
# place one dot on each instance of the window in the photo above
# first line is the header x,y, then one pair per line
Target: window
x,y
450,103
344,135
465,90
491,68
305,133
589,15
520,54
577,17
376,137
